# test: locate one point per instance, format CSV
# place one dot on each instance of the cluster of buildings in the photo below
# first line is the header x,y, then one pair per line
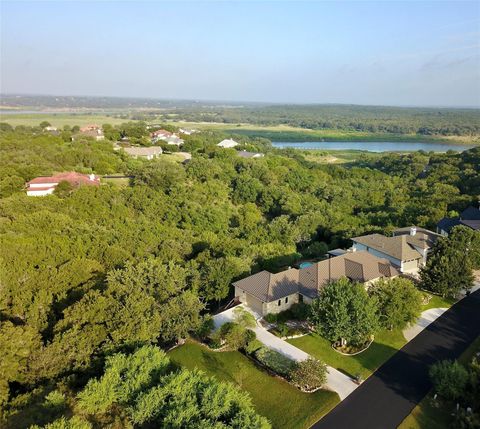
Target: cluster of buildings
x,y
41,186
94,131
165,136
371,258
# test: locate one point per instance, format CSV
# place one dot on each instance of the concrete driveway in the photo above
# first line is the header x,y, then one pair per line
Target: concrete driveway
x,y
336,381
427,317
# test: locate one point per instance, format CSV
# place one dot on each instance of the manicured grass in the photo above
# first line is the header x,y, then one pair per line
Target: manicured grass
x,y
426,415
439,302
385,345
284,405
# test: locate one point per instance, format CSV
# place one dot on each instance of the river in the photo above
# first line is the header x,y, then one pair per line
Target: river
x,y
375,146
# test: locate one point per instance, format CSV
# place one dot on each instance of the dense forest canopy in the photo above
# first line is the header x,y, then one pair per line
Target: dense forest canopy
x,y
105,269
374,119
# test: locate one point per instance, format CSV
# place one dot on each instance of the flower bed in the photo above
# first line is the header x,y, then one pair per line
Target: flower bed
x,y
351,350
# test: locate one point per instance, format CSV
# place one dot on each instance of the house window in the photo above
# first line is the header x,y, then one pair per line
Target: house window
x,y
286,299
279,302
300,298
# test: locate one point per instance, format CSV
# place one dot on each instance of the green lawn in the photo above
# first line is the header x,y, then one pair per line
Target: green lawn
x,y
439,302
284,405
385,345
426,415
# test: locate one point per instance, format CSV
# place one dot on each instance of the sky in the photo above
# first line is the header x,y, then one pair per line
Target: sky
x,y
409,53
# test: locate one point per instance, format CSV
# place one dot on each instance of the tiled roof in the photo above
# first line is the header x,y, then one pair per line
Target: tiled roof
x,y
358,266
71,177
474,224
143,151
470,213
269,287
396,247
423,238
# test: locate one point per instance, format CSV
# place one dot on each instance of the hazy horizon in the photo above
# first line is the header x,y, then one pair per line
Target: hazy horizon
x,y
410,54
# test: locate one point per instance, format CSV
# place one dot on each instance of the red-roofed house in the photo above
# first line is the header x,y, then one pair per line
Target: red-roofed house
x,y
92,130
161,135
41,186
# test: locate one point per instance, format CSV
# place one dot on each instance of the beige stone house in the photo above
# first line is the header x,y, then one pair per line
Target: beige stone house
x,y
265,292
407,249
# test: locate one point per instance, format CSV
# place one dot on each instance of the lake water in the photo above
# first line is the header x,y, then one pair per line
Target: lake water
x,y
374,146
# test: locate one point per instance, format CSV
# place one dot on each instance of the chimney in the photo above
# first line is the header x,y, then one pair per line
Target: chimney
x,y
91,176
413,230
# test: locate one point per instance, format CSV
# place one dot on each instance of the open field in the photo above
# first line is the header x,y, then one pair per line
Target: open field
x,y
426,415
274,133
284,405
289,133
59,119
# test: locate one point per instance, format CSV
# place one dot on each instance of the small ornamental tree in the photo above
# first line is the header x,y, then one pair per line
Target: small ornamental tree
x,y
449,379
345,312
309,374
399,302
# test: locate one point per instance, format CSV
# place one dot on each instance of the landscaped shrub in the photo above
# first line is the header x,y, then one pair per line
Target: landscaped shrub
x,y
300,311
252,346
449,379
233,335
275,361
309,374
282,329
271,317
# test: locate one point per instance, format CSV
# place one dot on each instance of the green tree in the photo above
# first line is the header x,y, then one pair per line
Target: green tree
x,y
345,312
449,266
124,378
399,302
45,124
449,379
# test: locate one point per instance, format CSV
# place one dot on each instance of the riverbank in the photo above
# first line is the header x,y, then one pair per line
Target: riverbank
x,y
279,133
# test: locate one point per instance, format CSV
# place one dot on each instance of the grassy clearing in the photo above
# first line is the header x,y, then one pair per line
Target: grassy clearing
x,y
59,119
121,182
426,415
385,345
284,405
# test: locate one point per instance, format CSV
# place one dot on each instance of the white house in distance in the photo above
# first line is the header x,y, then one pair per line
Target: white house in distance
x,y
166,136
227,143
249,155
144,152
41,186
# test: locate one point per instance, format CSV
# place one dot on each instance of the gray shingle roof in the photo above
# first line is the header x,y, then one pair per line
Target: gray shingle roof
x,y
396,247
359,266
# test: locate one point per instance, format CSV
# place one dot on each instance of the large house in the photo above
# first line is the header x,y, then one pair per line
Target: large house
x,y
41,186
245,154
265,292
407,249
93,131
144,152
470,218
227,143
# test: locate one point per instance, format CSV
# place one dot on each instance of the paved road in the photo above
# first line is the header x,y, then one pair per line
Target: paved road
x,y
389,395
